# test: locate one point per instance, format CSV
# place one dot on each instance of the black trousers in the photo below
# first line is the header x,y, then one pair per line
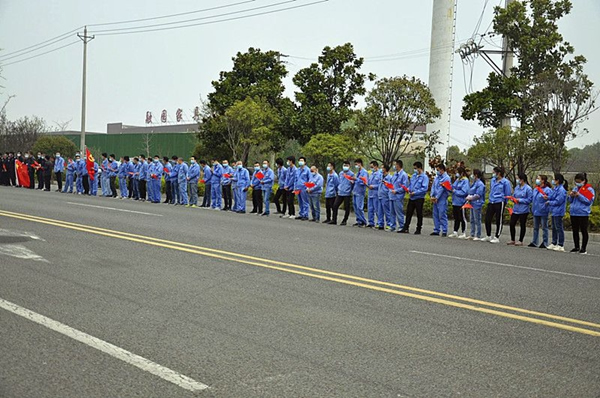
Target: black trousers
x,y
12,177
329,202
416,204
47,178
257,201
168,192
227,199
580,223
494,210
85,180
206,197
40,179
4,178
346,200
290,203
143,184
113,189
459,220
522,220
281,194
130,187
59,180
31,178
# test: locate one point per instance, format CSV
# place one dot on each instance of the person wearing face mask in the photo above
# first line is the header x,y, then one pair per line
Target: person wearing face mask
x,y
358,193
383,196
59,168
439,197
374,182
182,182
400,188
540,211
500,190
281,193
289,187
123,174
144,177
522,198
40,170
581,199
31,168
47,167
136,178
94,180
4,180
105,181
344,194
476,198
302,177
226,185
215,185
331,190
156,171
193,175
242,183
167,169
69,176
266,185
207,177
113,169
82,183
557,203
419,185
460,191
314,194
174,177
257,202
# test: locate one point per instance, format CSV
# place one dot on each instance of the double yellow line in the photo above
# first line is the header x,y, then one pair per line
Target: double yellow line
x,y
505,311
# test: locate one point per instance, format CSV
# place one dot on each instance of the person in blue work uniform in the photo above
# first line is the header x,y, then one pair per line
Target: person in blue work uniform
x,y
113,170
302,177
144,177
476,198
557,202
182,182
105,180
130,178
314,194
540,211
175,198
396,196
82,174
167,169
344,194
418,187
581,198
215,185
266,185
500,189
281,194
59,168
242,183
439,197
94,181
123,170
257,199
206,177
226,185
331,190
78,177
460,191
135,185
358,193
156,172
193,175
373,197
521,197
383,203
289,187
68,188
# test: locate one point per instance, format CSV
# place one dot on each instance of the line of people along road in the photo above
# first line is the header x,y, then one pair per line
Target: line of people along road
x,y
385,188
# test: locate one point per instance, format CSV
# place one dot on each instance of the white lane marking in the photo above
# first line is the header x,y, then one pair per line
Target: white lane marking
x,y
110,349
507,265
20,251
115,209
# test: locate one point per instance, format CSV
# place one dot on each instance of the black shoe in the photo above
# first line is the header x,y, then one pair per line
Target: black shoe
x,y
264,215
403,231
343,223
542,246
434,234
332,223
533,245
418,232
583,251
252,212
575,250
444,235
381,228
356,225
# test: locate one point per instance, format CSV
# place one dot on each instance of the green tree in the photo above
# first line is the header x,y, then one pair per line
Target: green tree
x,y
395,108
328,91
51,144
324,148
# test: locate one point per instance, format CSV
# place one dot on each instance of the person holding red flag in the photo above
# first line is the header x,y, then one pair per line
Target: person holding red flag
x,y
344,194
69,176
22,173
557,202
439,197
358,193
314,188
522,198
540,211
476,199
581,198
500,190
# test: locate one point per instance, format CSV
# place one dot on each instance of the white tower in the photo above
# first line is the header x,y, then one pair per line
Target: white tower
x,y
441,58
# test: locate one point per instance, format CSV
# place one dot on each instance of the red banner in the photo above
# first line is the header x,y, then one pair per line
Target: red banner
x,y
89,164
22,174
586,193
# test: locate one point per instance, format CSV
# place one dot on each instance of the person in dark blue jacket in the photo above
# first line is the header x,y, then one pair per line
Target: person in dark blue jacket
x,y
439,197
331,190
281,194
136,178
257,199
557,202
344,194
500,190
207,177
460,191
581,198
522,198
289,187
419,185
540,211
226,185
302,177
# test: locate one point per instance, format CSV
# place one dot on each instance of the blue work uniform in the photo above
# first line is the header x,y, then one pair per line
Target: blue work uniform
x,y
400,182
122,173
193,175
358,196
266,185
302,177
216,194
314,195
71,169
374,182
440,208
182,183
175,197
241,176
524,196
383,194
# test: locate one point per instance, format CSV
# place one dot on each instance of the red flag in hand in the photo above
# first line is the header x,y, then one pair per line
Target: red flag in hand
x,y
405,188
166,170
297,192
202,181
540,190
22,174
467,206
310,184
363,179
348,177
388,185
227,175
259,175
586,193
510,210
89,164
447,185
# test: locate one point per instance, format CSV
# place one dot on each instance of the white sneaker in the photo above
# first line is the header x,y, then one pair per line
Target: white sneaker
x,y
284,216
463,236
551,247
494,240
558,248
292,217
470,237
475,239
486,239
453,235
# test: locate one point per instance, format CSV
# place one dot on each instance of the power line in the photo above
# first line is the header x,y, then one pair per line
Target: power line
x,y
42,44
39,55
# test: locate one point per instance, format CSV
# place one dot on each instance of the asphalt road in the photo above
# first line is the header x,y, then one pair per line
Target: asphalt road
x,y
266,307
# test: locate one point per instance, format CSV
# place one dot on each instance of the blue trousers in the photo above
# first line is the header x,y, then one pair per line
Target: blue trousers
x,y
358,202
540,221
155,190
558,231
240,199
315,206
266,199
175,197
303,204
68,183
183,197
94,186
79,184
397,213
123,187
106,185
383,211
192,189
373,207
136,188
475,223
440,217
216,195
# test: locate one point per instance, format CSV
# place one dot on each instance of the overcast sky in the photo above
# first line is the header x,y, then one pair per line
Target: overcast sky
x,y
130,74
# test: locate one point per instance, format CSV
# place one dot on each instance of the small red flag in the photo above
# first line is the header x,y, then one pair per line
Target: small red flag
x,y
166,170
540,190
297,192
447,185
363,179
510,210
348,177
310,184
467,206
227,175
389,185
89,164
259,175
586,193
405,188
202,181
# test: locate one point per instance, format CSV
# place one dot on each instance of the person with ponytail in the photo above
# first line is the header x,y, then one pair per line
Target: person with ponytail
x,y
522,197
540,211
476,198
557,202
581,198
460,191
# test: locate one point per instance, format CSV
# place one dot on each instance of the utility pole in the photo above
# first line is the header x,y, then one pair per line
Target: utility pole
x,y
507,64
85,38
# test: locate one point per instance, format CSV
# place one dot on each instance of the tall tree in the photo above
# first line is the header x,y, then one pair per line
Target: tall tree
x,y
395,108
328,90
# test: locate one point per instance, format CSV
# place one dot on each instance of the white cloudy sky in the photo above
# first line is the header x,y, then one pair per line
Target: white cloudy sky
x,y
130,74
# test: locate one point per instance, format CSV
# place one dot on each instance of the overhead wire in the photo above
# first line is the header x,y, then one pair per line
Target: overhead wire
x,y
41,44
39,55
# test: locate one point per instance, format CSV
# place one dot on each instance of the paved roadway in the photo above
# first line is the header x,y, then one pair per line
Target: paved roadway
x,y
223,299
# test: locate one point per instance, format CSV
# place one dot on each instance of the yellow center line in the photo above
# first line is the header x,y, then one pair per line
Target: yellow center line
x,y
327,275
